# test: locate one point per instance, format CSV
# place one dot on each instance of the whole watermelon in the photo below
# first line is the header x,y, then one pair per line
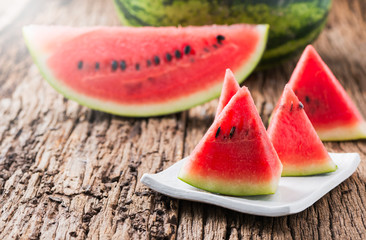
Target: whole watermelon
x,y
293,23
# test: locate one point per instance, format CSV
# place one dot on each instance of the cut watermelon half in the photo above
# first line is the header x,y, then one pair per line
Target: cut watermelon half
x,y
229,88
144,71
297,144
235,157
328,106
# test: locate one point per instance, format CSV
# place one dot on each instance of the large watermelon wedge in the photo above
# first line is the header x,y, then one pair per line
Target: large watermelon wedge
x,y
144,71
328,106
235,157
297,144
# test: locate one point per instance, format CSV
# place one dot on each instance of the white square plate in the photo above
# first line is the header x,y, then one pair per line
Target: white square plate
x,y
294,194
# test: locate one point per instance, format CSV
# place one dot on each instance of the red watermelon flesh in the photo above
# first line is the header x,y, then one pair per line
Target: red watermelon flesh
x,y
297,144
143,71
235,157
328,106
230,87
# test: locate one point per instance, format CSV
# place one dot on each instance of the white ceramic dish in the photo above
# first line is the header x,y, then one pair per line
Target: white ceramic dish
x,y
293,195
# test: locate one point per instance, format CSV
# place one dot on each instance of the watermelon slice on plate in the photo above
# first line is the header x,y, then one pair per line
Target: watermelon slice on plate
x,y
297,144
144,71
328,106
229,88
235,157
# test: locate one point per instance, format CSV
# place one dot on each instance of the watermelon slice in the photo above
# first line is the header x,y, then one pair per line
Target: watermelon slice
x,y
329,108
297,144
143,71
235,157
229,89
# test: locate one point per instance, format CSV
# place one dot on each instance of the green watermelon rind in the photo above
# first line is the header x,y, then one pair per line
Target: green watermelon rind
x,y
228,187
145,110
343,133
297,171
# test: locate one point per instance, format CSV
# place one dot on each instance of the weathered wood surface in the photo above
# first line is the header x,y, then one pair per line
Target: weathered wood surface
x,y
69,172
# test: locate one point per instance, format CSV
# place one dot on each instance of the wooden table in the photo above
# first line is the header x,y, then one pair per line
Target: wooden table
x,y
70,172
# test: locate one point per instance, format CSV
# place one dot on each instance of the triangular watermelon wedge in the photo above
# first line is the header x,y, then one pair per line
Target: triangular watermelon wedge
x,y
235,157
297,144
328,106
229,88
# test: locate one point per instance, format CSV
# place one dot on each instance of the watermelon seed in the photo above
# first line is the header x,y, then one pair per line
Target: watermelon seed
x,y
220,38
215,46
246,132
114,65
148,63
307,99
178,54
292,105
156,60
80,64
168,57
301,106
97,66
123,65
187,49
232,131
217,132
206,50
137,66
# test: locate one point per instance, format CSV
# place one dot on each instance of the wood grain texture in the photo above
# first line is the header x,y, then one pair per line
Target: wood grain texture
x,y
68,172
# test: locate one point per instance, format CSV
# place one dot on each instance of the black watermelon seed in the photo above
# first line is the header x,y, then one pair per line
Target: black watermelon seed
x,y
137,66
114,65
301,106
232,131
80,64
307,99
217,132
246,132
148,63
178,54
292,105
215,46
156,60
187,49
220,38
123,65
168,57
97,66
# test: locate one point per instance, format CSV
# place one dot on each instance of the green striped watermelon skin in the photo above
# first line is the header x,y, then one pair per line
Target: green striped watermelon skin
x,y
293,24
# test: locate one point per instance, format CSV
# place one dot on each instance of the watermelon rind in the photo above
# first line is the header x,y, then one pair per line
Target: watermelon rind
x,y
296,171
229,187
355,132
146,109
